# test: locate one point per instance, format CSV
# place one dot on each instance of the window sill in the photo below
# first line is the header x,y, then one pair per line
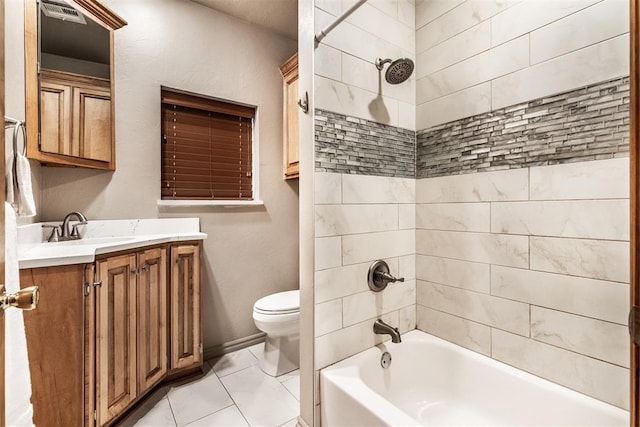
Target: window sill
x,y
212,203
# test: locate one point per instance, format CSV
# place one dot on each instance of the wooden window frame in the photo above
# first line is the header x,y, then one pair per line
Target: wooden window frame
x,y
224,114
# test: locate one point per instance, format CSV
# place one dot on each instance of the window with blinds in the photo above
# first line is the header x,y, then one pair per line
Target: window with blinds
x,y
206,148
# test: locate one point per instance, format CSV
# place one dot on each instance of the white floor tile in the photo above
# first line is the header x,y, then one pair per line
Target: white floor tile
x,y
284,377
257,350
291,423
293,385
197,399
262,399
159,415
227,417
233,362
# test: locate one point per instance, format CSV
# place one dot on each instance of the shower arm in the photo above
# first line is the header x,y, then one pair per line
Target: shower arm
x,y
326,30
380,63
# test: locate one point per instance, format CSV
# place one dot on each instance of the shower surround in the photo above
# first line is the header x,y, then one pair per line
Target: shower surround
x,y
513,232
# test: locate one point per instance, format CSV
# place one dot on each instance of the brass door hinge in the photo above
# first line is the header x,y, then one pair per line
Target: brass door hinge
x,y
634,324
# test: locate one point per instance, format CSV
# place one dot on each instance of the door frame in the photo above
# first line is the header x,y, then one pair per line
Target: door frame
x,y
634,186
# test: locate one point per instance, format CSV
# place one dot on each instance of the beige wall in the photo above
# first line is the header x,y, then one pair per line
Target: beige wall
x,y
476,56
250,252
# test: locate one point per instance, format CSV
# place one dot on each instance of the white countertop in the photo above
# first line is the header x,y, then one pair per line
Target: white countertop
x,y
100,237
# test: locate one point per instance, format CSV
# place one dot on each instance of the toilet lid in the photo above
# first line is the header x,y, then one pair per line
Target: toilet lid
x,y
281,303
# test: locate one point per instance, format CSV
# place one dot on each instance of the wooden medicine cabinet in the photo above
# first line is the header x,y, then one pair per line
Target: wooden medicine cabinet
x,y
289,71
69,77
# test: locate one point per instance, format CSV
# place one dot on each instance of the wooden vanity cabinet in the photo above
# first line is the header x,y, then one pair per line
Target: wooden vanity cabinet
x,y
291,151
107,333
186,334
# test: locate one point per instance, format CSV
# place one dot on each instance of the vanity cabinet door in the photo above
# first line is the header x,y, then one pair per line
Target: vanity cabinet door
x,y
186,336
289,71
55,117
152,317
55,334
115,336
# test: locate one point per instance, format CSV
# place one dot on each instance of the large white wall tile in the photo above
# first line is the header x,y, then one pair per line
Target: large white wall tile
x,y
606,60
587,297
328,62
342,281
407,14
465,103
341,98
591,25
461,274
407,111
493,63
427,11
407,318
407,267
371,246
601,179
591,219
486,309
328,252
480,187
457,20
356,41
333,220
500,249
596,259
372,19
462,46
528,15
454,216
345,342
328,317
593,377
602,340
406,216
378,189
370,305
327,188
457,330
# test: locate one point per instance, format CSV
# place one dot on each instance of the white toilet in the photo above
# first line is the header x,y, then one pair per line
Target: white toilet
x,y
278,315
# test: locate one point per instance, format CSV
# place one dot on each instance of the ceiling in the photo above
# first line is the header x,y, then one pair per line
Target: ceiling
x,y
279,16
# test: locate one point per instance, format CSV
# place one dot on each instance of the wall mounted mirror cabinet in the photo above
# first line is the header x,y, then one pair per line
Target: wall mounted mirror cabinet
x,y
69,77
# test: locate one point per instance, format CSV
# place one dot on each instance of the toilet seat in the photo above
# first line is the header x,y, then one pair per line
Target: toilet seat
x,y
280,303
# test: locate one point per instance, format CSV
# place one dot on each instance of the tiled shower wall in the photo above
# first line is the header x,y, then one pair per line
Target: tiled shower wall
x,y
530,266
524,262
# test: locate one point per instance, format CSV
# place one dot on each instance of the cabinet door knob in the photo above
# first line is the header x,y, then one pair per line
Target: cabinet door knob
x,y
24,299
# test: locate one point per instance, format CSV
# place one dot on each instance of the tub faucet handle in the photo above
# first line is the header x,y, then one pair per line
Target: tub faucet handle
x,y
379,276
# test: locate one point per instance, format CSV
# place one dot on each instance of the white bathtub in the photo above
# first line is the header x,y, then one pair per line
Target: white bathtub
x,y
432,382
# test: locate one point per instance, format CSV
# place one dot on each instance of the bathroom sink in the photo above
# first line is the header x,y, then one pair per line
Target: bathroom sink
x,y
96,241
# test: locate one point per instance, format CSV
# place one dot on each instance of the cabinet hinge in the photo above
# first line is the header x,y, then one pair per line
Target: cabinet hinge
x,y
39,141
634,324
95,415
87,289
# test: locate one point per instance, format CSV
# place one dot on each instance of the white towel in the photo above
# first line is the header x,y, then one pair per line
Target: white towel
x,y
19,188
26,203
19,411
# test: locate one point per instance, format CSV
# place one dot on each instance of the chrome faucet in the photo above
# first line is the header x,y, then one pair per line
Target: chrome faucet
x,y
379,327
62,232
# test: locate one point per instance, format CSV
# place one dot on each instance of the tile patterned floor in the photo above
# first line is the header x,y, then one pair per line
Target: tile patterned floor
x,y
233,392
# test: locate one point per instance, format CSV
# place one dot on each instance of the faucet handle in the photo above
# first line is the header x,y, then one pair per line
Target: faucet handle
x,y
55,232
75,234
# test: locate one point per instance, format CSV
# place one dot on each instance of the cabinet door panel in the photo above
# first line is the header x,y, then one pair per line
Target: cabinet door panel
x,y
116,336
55,339
186,348
92,114
152,317
55,118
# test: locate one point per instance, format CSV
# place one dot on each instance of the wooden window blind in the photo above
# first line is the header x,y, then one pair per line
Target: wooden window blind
x,y
206,148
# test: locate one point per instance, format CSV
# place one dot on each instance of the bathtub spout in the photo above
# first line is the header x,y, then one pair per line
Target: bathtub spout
x,y
379,327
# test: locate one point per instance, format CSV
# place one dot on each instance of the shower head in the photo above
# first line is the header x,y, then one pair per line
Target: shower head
x,y
399,70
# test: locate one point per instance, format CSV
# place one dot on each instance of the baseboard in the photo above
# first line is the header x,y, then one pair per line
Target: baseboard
x,y
228,347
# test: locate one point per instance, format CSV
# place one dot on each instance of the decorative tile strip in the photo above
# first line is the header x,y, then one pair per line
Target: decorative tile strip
x,y
352,145
590,123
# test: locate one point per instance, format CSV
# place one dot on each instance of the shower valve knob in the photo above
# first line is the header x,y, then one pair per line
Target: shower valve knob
x,y
379,276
